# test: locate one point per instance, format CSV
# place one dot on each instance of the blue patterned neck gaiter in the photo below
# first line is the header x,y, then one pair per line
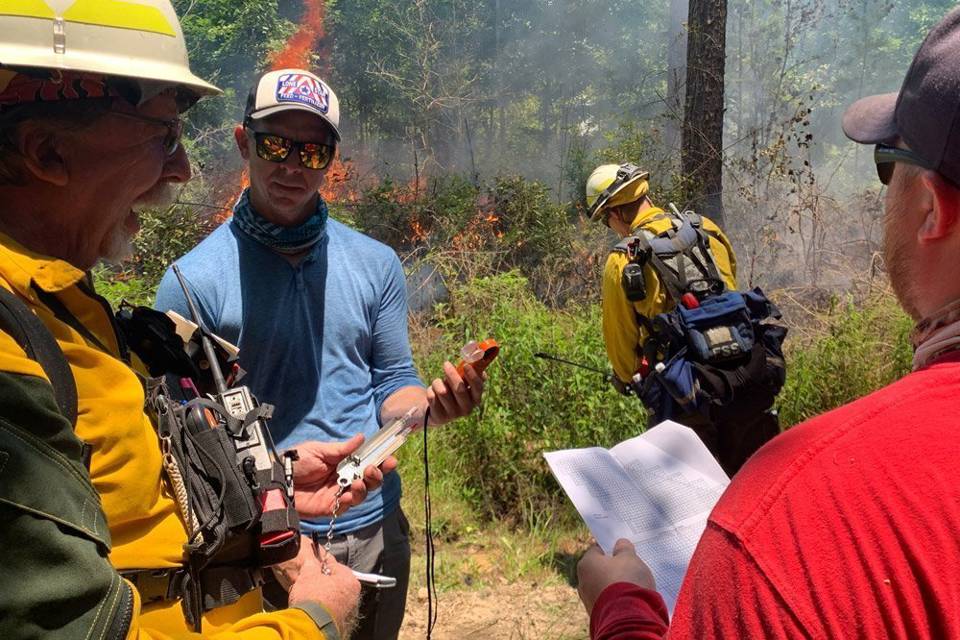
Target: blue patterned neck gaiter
x,y
282,239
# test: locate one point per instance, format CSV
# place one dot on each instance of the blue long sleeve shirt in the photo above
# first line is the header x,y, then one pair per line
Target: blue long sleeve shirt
x,y
324,341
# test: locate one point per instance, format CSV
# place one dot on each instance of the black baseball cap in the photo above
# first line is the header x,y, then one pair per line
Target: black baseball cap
x,y
925,113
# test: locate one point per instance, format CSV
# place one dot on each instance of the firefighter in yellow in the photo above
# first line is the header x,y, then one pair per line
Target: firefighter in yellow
x,y
93,540
666,258
620,199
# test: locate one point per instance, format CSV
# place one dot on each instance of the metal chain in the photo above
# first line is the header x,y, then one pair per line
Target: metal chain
x,y
333,518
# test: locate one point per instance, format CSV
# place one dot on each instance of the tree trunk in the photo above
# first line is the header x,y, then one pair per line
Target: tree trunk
x,y
702,154
676,72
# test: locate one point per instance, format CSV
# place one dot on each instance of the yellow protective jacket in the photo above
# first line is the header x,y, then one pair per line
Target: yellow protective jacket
x,y
57,574
622,332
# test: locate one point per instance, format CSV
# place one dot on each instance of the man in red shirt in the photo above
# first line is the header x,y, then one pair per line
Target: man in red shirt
x,y
846,526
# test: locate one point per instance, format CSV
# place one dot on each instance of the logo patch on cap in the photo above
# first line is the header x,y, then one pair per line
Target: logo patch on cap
x,y
297,87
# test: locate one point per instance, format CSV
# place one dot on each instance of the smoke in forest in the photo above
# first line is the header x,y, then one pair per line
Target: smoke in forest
x,y
546,89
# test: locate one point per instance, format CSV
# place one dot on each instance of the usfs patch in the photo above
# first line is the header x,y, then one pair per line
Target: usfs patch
x,y
297,87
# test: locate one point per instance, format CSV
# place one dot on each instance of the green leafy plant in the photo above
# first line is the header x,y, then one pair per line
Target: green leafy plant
x,y
494,456
859,349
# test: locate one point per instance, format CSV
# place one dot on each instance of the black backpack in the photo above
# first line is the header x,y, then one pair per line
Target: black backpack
x,y
714,361
235,534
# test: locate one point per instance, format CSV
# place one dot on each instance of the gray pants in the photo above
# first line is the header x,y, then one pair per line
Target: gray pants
x,y
382,547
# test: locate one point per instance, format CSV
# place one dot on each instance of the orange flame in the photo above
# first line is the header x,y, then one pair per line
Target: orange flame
x,y
226,205
339,183
493,220
411,192
297,51
419,233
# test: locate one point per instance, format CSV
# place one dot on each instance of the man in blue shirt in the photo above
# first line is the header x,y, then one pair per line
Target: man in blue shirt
x,y
319,312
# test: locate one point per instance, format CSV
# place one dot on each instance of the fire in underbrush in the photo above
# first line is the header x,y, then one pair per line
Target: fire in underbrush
x,y
494,220
483,231
340,184
233,186
418,233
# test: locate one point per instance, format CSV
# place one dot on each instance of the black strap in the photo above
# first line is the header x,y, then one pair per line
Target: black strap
x,y
680,252
703,241
65,316
18,321
220,586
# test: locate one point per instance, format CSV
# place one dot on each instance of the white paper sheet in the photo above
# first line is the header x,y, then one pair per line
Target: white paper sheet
x,y
656,490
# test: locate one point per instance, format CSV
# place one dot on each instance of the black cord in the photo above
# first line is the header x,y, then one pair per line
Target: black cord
x,y
430,552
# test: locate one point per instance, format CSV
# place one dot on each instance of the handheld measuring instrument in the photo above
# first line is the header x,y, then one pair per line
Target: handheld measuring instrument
x,y
376,450
373,452
478,355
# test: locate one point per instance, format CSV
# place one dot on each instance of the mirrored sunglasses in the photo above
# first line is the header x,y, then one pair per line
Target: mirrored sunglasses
x,y
274,148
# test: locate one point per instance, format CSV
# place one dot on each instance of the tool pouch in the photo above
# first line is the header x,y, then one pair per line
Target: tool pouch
x,y
231,489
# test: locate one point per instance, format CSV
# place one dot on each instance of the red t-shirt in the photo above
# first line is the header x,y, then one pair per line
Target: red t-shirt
x,y
846,526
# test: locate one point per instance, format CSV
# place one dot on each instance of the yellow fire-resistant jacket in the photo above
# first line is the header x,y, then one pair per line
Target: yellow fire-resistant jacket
x,y
622,333
55,577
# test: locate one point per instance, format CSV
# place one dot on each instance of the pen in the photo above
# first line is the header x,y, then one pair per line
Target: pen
x,y
375,580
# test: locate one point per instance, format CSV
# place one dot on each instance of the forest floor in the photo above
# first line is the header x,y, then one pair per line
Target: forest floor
x,y
499,584
521,610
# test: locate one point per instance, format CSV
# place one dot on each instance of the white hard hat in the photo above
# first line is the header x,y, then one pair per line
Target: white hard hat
x,y
137,39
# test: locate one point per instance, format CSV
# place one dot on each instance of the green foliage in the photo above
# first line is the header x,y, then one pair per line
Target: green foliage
x,y
862,349
494,458
118,286
165,236
229,42
642,145
578,163
489,86
533,227
469,231
403,215
490,465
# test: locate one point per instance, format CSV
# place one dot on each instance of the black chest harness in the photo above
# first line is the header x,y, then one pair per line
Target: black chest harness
x,y
233,490
680,256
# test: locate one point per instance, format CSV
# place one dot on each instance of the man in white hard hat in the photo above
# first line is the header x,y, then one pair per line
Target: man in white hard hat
x,y
320,311
90,99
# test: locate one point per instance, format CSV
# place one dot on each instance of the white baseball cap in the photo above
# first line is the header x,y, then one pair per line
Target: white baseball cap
x,y
293,90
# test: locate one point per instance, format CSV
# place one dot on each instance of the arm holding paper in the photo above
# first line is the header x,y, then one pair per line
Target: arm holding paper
x,y
726,591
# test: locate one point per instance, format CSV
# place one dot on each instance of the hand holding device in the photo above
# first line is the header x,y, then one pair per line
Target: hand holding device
x,y
478,355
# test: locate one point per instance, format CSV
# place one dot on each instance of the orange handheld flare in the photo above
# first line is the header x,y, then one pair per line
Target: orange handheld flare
x,y
478,355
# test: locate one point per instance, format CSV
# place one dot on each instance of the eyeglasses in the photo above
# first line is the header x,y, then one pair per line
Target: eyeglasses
x,y
174,129
313,155
886,156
